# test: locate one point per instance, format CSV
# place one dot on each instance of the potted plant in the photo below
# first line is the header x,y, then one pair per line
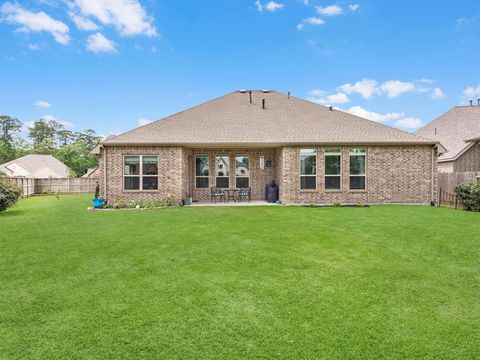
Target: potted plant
x,y
121,204
98,202
187,200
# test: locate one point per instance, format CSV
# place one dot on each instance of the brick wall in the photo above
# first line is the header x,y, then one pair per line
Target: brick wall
x,y
395,174
469,160
171,168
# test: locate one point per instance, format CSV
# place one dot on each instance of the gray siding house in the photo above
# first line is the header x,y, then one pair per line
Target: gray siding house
x,y
315,154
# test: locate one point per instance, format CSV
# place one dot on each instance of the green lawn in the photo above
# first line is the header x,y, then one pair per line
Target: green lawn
x,y
259,282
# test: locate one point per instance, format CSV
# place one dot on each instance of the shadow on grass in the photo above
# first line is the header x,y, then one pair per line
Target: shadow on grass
x,y
11,212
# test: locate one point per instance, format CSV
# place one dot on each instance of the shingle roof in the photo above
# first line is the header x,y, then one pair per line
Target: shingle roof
x,y
232,120
453,129
33,162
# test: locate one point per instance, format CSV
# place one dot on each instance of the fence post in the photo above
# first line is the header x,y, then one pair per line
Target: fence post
x,y
456,201
440,197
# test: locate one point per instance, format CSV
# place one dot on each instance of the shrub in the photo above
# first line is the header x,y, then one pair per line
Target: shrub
x,y
469,194
9,195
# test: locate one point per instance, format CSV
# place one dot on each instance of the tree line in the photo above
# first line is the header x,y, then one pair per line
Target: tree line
x,y
48,137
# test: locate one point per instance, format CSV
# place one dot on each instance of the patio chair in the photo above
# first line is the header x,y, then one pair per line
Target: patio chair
x,y
216,193
245,193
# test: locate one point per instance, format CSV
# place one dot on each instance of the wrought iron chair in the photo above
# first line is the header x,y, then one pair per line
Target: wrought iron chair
x,y
245,193
216,193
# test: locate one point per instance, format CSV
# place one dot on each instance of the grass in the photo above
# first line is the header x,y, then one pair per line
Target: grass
x,y
260,282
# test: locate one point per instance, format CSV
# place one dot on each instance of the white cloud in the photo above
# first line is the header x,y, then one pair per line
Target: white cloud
x,y
35,22
310,21
410,123
394,88
318,97
34,47
83,23
142,122
471,91
377,117
98,43
438,93
273,6
365,87
42,104
259,5
331,10
127,16
353,7
66,124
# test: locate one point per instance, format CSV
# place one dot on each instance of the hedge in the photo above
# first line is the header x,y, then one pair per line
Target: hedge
x,y
469,194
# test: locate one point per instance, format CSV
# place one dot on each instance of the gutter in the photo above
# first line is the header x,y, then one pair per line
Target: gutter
x,y
273,144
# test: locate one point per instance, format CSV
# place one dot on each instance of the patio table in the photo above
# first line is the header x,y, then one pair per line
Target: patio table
x,y
231,194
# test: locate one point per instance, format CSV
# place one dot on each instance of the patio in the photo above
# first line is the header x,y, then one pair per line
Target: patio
x,y
233,203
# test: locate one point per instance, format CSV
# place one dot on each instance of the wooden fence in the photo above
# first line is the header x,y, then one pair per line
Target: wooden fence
x,y
53,185
448,181
26,184
448,199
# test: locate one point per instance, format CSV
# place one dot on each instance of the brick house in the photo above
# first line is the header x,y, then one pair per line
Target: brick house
x,y
458,130
315,154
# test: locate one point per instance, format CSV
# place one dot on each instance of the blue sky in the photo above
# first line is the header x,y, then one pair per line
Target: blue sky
x,y
112,64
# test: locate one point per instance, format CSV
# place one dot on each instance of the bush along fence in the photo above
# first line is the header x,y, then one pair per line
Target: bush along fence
x,y
54,185
466,196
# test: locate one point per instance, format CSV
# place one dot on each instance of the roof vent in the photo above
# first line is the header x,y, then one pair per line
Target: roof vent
x,y
478,102
265,91
331,108
263,103
471,102
288,95
250,93
243,91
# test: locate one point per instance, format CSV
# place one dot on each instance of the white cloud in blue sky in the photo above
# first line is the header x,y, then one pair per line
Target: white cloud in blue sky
x,y
110,64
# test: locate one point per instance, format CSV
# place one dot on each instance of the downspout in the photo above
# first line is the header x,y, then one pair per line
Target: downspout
x,y
105,173
433,176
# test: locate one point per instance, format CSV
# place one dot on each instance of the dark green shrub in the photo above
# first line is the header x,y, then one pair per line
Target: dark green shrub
x,y
469,194
9,195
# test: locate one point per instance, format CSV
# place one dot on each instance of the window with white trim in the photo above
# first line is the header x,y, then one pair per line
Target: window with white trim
x,y
333,169
222,171
242,171
201,171
358,163
308,169
140,172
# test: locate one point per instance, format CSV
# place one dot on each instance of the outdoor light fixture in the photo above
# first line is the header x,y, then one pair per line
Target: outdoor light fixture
x,y
262,162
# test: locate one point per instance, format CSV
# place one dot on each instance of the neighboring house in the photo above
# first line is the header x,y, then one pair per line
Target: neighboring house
x,y
35,166
92,173
315,154
458,130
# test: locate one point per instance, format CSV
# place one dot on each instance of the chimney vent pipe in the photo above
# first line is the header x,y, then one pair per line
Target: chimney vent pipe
x,y
471,102
263,103
288,95
250,93
478,102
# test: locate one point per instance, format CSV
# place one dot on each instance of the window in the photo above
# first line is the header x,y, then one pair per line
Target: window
x,y
140,172
222,171
357,169
242,171
308,169
333,169
201,172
